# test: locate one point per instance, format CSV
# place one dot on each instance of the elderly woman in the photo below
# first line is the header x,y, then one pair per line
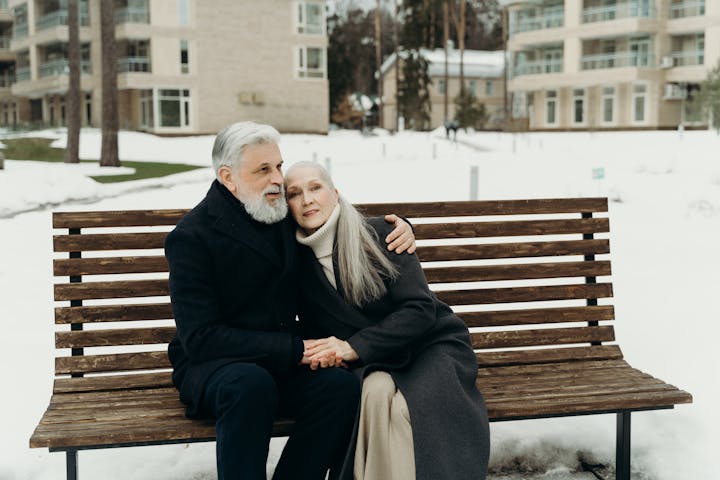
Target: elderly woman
x,y
421,415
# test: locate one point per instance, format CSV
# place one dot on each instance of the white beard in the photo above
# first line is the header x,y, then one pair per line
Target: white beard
x,y
260,210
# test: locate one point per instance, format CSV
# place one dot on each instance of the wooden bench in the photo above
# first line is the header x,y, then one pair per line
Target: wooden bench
x,y
525,275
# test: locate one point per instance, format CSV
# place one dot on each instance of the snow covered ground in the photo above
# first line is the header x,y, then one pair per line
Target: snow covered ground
x,y
665,217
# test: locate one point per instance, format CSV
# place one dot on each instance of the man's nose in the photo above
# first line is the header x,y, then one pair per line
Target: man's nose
x,y
277,178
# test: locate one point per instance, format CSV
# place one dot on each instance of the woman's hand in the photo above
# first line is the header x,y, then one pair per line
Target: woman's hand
x,y
402,237
327,352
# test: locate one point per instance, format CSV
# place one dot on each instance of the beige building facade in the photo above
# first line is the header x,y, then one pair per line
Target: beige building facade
x,y
184,66
610,64
483,72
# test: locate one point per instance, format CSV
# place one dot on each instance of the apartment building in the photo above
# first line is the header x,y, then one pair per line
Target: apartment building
x,y
483,72
184,66
607,64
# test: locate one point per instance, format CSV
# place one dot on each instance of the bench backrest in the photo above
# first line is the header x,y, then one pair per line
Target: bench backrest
x,y
525,275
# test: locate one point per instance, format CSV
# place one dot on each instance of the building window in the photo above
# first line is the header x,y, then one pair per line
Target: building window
x,y
473,87
441,86
20,23
639,103
184,12
88,108
608,104
578,105
146,109
311,62
489,88
310,18
174,108
551,107
184,62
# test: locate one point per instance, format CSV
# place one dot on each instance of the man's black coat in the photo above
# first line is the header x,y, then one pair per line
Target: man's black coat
x,y
233,286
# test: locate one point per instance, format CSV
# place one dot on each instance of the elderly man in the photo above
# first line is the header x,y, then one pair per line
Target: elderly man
x,y
233,284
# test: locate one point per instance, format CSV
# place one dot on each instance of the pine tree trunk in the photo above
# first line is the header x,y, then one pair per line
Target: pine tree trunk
x,y
461,41
378,64
446,39
110,118
73,95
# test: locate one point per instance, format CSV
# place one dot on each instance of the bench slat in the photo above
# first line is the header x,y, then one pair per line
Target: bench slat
x,y
548,355
521,271
512,250
487,207
550,336
109,241
112,382
109,265
126,218
527,371
116,362
510,228
111,289
550,378
113,313
127,336
498,318
525,294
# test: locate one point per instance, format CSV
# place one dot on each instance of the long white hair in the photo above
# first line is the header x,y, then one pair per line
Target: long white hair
x,y
363,266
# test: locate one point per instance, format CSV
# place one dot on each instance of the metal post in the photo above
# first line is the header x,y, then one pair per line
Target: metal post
x,y
71,462
622,447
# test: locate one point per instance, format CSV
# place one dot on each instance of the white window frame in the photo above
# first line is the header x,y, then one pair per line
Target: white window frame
x,y
584,106
186,120
604,96
646,103
185,67
300,16
489,88
300,56
441,86
556,104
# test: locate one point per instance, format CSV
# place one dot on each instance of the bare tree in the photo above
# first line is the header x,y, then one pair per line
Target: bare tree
x,y
72,148
379,61
459,21
446,39
110,118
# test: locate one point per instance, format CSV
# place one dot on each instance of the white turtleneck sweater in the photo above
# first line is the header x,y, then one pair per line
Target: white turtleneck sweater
x,y
322,242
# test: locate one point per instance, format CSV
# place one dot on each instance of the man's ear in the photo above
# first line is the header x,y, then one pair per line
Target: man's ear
x,y
225,177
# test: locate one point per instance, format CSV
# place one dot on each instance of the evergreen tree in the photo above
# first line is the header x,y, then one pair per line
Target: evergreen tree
x,y
708,97
469,112
414,91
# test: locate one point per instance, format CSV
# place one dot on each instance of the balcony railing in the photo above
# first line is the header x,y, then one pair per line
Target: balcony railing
x,y
59,17
4,42
548,20
132,15
61,67
20,30
539,66
3,4
688,57
6,80
22,74
620,10
688,8
133,64
617,60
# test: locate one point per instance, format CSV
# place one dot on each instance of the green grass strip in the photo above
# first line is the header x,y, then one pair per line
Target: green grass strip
x,y
39,149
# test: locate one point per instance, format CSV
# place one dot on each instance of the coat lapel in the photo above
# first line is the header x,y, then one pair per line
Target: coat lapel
x,y
240,227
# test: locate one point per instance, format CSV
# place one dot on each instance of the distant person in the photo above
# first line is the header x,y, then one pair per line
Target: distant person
x,y
421,415
237,356
451,125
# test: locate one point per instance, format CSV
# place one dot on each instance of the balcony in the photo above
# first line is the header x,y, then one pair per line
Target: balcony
x,y
4,42
687,8
3,4
22,74
61,67
552,19
58,18
20,30
133,64
132,15
617,60
606,13
6,79
537,67
688,58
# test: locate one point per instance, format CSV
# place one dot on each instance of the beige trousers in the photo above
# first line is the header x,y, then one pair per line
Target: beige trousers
x,y
384,449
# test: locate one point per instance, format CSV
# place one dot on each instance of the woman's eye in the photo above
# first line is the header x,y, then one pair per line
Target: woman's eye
x,y
315,187
291,194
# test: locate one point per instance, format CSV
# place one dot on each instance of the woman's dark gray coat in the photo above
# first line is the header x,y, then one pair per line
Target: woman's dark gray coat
x,y
427,350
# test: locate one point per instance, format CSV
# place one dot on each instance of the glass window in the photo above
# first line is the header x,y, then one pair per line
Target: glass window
x,y
310,18
639,102
473,87
311,62
489,88
551,107
173,106
608,104
184,62
578,105
184,12
146,108
441,87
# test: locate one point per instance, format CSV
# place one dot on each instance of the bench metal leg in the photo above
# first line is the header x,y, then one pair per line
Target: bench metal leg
x,y
622,448
71,462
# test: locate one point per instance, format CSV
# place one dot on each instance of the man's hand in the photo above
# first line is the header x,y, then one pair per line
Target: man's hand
x,y
327,352
402,238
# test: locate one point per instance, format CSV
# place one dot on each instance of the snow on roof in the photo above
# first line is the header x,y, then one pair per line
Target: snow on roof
x,y
477,63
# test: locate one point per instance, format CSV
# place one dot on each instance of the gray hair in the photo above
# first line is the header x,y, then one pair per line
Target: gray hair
x,y
232,140
363,266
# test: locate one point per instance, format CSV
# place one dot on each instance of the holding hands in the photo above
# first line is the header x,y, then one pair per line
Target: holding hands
x,y
327,352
